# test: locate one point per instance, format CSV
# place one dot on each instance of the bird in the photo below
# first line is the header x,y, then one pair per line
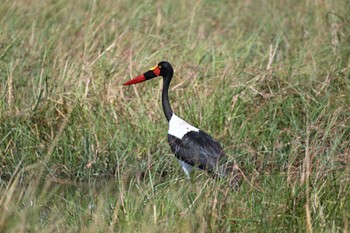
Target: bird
x,y
191,146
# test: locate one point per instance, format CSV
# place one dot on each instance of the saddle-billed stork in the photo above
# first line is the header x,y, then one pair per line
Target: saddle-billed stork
x,y
191,146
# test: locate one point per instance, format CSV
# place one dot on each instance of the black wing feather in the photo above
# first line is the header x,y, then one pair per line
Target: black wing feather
x,y
197,149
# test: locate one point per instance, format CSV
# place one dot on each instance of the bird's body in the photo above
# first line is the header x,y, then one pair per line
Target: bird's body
x,y
191,146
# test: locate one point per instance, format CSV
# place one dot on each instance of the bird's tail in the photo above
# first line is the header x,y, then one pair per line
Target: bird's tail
x,y
231,171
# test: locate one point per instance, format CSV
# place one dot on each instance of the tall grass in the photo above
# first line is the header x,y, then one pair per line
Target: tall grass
x,y
81,153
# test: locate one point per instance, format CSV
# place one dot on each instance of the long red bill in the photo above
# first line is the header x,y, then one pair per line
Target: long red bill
x,y
155,72
138,79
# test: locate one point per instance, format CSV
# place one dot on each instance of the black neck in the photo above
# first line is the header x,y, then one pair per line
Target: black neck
x,y
165,98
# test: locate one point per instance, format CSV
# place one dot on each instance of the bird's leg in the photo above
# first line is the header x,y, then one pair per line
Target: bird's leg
x,y
186,168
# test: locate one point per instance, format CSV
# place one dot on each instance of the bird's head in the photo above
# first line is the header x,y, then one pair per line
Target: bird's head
x,y
162,69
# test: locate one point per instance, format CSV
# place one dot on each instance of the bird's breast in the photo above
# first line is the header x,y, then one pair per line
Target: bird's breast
x,y
179,127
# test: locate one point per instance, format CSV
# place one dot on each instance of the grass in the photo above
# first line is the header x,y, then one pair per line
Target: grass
x,y
81,153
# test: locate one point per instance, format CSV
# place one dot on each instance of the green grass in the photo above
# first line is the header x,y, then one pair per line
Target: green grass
x,y
80,152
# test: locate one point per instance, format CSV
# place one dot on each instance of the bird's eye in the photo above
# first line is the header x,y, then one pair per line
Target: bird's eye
x,y
160,67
